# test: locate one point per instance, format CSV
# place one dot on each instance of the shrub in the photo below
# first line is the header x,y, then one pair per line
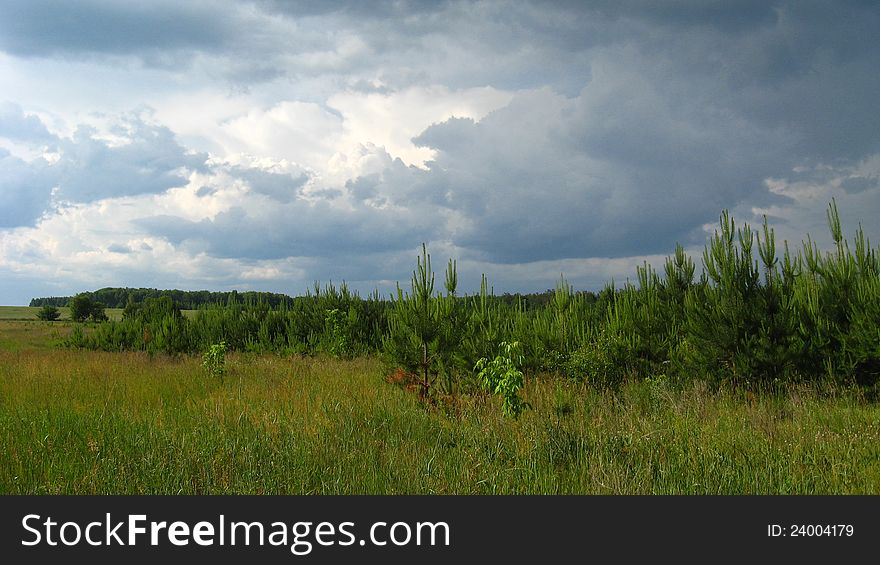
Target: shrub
x,y
598,363
82,307
48,313
336,330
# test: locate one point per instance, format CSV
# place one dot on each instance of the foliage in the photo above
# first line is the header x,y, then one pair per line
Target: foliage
x,y
338,341
425,331
48,313
189,300
835,299
598,363
82,307
214,360
740,328
502,376
151,309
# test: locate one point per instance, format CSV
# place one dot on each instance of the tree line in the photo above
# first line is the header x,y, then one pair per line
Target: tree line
x,y
120,297
112,297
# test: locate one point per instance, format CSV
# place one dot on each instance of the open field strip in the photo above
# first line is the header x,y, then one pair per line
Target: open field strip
x,y
30,313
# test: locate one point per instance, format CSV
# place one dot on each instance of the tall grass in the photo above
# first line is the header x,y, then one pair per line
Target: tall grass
x,y
94,422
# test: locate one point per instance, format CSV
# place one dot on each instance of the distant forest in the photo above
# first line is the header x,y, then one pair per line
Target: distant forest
x,y
194,299
184,299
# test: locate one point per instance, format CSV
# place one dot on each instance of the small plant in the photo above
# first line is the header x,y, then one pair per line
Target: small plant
x,y
335,327
657,389
214,360
503,377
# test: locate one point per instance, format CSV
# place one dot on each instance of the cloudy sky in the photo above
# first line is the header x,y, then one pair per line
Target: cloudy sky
x,y
218,144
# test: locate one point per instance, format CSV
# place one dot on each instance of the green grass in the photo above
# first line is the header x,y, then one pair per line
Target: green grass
x,y
30,313
32,335
92,422
18,313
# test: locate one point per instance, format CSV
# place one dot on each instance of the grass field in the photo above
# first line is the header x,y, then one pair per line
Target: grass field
x,y
24,335
84,422
30,313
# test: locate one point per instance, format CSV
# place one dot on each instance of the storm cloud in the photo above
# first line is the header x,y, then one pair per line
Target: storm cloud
x,y
286,142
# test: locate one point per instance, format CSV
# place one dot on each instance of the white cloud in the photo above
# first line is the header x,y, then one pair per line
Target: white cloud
x,y
392,120
302,132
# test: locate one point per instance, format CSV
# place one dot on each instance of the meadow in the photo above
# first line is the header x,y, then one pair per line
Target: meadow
x,y
76,421
30,313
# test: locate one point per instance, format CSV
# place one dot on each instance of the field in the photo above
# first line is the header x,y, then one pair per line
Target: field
x,y
82,422
30,313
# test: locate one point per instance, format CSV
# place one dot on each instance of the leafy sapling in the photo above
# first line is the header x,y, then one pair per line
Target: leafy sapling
x,y
502,376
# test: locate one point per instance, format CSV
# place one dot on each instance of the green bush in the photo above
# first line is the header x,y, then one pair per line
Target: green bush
x,y
599,363
48,313
82,307
835,300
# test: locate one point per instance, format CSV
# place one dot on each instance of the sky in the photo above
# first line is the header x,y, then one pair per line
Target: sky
x,y
266,145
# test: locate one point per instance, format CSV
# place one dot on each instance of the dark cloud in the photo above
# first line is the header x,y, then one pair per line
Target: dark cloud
x,y
446,135
615,172
149,162
375,9
858,184
634,124
206,191
812,73
723,15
